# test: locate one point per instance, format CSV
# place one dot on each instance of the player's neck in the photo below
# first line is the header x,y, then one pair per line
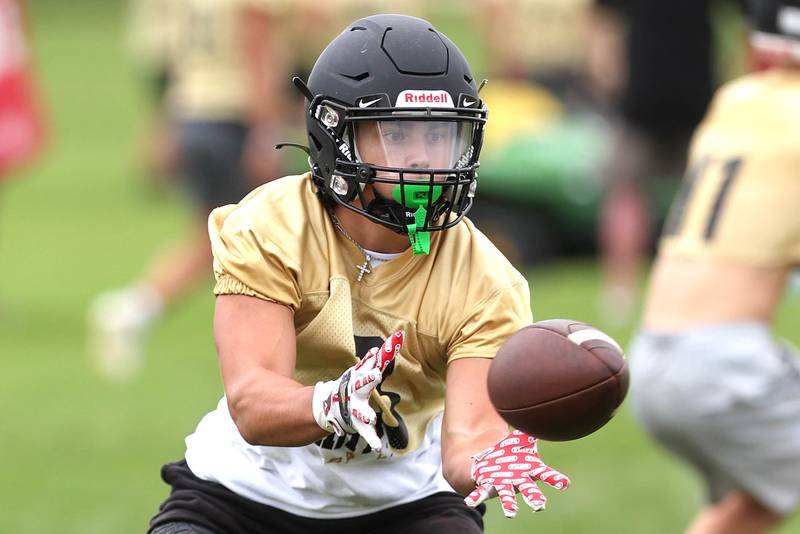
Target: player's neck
x,y
370,235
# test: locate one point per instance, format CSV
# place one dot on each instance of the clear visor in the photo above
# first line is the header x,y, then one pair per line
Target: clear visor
x,y
414,144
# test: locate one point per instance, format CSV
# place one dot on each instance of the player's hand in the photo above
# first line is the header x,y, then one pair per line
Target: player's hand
x,y
513,464
342,405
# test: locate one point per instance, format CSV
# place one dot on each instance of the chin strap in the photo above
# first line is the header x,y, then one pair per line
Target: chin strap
x,y
420,241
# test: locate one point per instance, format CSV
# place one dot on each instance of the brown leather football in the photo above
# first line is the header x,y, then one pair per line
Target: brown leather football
x,y
558,379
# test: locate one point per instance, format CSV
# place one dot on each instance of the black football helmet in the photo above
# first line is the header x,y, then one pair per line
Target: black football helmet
x,y
775,26
395,79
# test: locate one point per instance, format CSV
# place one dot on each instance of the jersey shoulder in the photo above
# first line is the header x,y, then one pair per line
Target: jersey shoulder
x,y
258,243
489,299
760,102
474,250
272,212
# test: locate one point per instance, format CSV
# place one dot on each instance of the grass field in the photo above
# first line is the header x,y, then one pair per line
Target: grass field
x,y
79,456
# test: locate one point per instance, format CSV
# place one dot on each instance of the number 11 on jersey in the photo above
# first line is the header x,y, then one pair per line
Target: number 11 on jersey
x,y
698,195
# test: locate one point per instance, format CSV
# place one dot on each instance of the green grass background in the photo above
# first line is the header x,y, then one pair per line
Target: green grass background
x,y
81,456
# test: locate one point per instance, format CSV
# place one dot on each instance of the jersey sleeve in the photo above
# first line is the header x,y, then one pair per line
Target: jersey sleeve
x,y
486,327
248,257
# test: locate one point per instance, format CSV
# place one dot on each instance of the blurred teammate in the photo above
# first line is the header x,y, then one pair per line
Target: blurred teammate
x,y
709,381
226,100
540,41
663,82
152,31
316,270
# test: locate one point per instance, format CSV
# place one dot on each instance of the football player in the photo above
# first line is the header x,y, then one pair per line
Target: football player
x,y
652,63
224,101
368,254
709,381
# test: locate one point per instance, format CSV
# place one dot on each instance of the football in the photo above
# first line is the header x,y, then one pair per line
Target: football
x,y
558,379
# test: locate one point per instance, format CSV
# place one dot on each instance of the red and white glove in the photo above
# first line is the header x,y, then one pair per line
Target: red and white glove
x,y
342,405
513,463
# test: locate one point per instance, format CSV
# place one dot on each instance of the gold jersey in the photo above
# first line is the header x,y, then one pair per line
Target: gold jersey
x,y
462,300
740,199
541,35
151,31
209,77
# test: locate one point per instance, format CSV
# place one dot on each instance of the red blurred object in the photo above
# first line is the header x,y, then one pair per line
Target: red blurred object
x,y
22,130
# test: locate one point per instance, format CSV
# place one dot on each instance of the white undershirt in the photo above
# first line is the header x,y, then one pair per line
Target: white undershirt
x,y
311,481
379,258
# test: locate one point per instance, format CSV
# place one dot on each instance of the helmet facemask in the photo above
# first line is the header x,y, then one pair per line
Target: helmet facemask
x,y
411,170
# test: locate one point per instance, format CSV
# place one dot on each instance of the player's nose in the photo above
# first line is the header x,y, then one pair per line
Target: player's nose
x,y
417,156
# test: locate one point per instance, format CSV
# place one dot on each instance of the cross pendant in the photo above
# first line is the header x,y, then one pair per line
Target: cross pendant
x,y
363,269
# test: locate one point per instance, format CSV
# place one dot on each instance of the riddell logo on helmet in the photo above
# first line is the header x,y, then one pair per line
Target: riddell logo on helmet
x,y
415,98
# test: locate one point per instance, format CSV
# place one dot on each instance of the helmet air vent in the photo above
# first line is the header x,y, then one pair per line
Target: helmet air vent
x,y
358,77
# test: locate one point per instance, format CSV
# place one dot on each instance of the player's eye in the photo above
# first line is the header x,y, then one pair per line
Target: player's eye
x,y
435,137
394,137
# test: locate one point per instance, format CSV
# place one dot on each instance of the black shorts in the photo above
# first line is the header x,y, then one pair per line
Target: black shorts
x,y
211,162
217,510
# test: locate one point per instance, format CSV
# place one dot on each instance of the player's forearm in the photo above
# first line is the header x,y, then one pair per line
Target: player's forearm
x,y
271,409
457,452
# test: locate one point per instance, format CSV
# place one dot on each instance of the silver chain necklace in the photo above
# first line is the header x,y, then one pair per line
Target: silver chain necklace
x,y
364,267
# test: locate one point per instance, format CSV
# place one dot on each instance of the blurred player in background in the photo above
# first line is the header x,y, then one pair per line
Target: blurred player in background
x,y
535,56
654,60
326,18
21,121
151,34
709,381
226,97
538,41
316,270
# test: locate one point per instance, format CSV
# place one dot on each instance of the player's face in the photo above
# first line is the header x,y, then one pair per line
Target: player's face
x,y
410,144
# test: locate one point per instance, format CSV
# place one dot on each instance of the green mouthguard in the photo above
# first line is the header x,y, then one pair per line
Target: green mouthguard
x,y
416,195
